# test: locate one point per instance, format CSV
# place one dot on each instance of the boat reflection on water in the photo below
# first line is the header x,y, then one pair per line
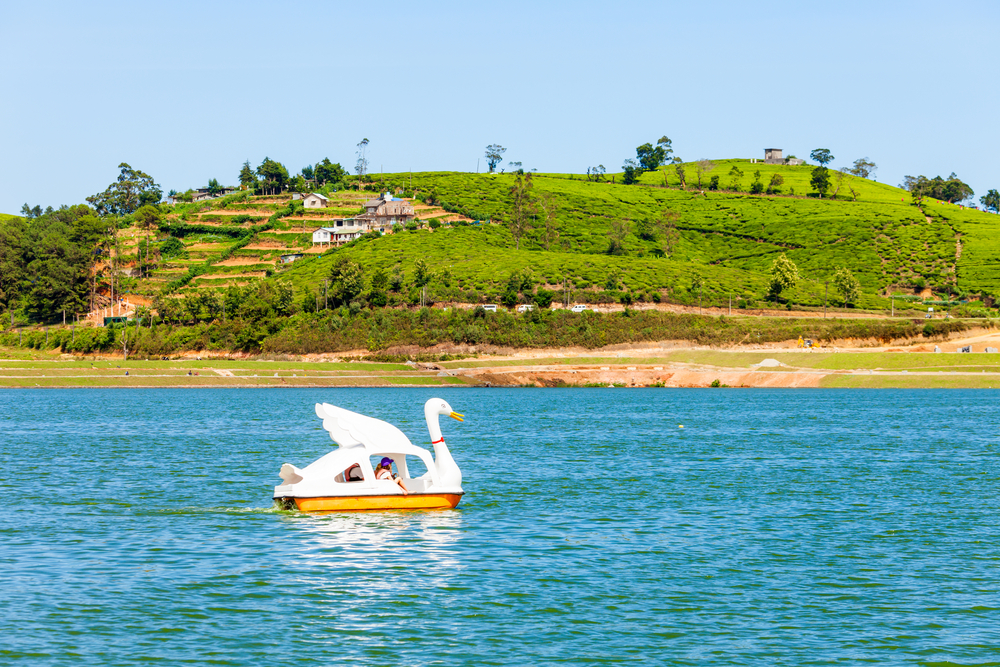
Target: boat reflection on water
x,y
383,552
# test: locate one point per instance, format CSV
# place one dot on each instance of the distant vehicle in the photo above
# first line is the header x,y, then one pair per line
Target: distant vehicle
x,y
491,307
578,308
525,307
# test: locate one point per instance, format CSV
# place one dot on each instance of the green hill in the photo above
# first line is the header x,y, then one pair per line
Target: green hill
x,y
725,245
727,240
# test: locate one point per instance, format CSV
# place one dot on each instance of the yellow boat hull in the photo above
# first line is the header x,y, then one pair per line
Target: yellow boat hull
x,y
413,501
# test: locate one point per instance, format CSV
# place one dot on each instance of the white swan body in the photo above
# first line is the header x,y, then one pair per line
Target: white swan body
x,y
322,486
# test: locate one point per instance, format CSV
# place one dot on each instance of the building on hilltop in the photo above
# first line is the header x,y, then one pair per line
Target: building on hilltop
x,y
774,156
201,194
315,200
382,213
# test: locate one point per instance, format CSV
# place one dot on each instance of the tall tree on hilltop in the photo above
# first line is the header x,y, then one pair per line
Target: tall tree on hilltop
x,y
651,158
273,176
951,189
822,155
863,167
248,180
494,155
329,172
362,165
131,190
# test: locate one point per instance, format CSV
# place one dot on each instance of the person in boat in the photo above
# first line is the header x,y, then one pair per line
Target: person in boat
x,y
384,471
354,474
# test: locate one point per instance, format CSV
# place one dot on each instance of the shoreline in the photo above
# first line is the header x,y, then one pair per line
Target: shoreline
x,y
668,364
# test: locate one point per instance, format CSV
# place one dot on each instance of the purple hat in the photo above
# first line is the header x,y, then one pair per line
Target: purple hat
x,y
386,461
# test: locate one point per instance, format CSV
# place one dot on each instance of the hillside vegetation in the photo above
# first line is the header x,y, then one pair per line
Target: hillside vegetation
x,y
582,240
726,241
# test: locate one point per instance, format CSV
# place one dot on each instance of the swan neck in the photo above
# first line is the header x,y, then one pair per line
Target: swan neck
x,y
433,426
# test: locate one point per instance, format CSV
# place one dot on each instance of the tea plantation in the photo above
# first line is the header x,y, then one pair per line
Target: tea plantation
x,y
726,241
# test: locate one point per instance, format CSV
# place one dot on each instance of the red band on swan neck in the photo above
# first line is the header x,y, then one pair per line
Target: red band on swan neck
x,y
438,440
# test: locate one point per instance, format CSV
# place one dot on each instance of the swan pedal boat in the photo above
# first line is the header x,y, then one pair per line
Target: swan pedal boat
x,y
322,487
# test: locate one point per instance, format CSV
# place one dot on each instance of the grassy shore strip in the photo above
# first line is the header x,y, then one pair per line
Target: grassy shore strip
x,y
250,365
840,360
921,381
219,381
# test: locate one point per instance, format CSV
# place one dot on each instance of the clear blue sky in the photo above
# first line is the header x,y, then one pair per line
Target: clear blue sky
x,y
187,91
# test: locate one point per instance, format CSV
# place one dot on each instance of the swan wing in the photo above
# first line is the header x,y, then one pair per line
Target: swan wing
x,y
350,429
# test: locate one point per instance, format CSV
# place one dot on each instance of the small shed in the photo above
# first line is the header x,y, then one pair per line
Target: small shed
x,y
315,200
291,257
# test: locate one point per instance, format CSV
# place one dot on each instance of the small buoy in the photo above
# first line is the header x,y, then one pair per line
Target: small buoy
x,y
680,426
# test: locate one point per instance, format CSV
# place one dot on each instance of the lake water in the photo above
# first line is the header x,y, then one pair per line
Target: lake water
x,y
777,527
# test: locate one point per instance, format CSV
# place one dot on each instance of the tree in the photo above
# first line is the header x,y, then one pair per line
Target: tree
x,y
679,168
421,273
951,189
616,236
991,201
596,173
651,158
632,172
248,180
329,172
308,172
380,283
665,228
362,165
550,226
757,186
214,188
521,209
838,179
774,186
784,276
29,212
273,176
148,218
702,167
515,167
494,155
820,180
346,281
735,175
848,286
298,184
132,190
822,155
863,167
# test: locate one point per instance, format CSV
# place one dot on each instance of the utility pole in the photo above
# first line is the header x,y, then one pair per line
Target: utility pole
x,y
826,296
892,301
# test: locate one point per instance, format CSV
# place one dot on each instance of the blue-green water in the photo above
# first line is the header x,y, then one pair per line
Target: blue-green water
x,y
777,527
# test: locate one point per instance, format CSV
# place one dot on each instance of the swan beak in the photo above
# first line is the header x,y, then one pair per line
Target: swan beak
x,y
455,415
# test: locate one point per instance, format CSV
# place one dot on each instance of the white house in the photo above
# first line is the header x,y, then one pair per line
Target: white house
x,y
315,200
342,231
